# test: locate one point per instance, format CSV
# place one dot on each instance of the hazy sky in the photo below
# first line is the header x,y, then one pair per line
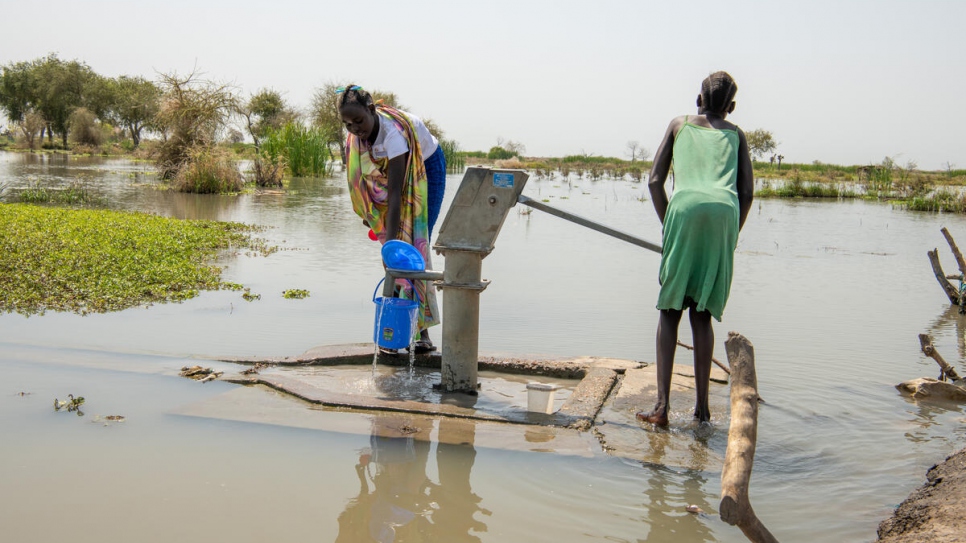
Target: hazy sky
x,y
842,81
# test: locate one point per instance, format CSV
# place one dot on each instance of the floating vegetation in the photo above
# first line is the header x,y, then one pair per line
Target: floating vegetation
x,y
295,294
72,404
249,297
100,260
199,373
109,419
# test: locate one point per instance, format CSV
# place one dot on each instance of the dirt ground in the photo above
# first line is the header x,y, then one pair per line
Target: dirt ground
x,y
933,512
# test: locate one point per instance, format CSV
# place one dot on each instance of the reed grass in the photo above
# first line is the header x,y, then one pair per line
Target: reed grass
x,y
304,149
942,201
75,194
455,159
801,189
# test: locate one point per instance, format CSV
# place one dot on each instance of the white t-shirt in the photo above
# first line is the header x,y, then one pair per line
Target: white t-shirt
x,y
391,142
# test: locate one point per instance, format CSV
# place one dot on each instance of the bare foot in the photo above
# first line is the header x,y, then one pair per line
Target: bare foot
x,y
654,417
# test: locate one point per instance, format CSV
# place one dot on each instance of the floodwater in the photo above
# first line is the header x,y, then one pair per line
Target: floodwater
x,y
832,294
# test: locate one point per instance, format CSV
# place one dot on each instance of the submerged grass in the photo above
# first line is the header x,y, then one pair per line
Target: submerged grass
x,y
941,201
75,194
799,189
88,261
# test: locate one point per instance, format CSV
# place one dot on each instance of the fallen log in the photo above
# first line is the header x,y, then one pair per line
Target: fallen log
x,y
951,291
925,342
956,252
735,507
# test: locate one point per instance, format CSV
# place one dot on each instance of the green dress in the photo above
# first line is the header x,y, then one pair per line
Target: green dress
x,y
701,224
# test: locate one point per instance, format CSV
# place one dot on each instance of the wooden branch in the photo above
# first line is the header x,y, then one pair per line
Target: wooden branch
x,y
925,341
952,245
951,291
713,359
735,508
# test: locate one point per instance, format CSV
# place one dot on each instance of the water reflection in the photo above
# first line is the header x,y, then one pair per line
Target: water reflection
x,y
949,320
397,500
928,418
668,494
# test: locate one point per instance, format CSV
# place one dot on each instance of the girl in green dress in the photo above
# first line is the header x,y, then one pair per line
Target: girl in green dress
x,y
713,190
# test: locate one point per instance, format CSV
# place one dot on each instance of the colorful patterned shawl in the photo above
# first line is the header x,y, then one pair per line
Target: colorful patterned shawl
x,y
369,191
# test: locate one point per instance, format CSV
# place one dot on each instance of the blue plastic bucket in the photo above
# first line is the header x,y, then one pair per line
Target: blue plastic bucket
x,y
395,321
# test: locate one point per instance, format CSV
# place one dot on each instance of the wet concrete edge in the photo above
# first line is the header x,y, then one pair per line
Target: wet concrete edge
x,y
597,379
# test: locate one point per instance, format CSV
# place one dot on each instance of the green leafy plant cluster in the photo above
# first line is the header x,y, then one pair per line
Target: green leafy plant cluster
x,y
97,260
295,294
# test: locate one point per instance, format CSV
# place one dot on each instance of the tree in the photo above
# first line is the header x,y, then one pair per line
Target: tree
x,y
760,143
264,111
19,90
498,152
136,102
191,114
62,87
31,125
635,151
514,147
325,116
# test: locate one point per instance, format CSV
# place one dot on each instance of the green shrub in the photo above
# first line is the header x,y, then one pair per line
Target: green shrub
x,y
208,171
499,153
84,128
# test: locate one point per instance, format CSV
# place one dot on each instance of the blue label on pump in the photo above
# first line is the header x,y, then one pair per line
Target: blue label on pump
x,y
504,180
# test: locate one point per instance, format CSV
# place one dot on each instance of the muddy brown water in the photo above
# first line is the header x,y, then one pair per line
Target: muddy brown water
x,y
832,294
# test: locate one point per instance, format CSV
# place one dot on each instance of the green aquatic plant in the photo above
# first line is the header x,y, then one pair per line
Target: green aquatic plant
x,y
455,159
208,170
302,149
100,260
295,294
943,201
249,297
72,404
799,189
